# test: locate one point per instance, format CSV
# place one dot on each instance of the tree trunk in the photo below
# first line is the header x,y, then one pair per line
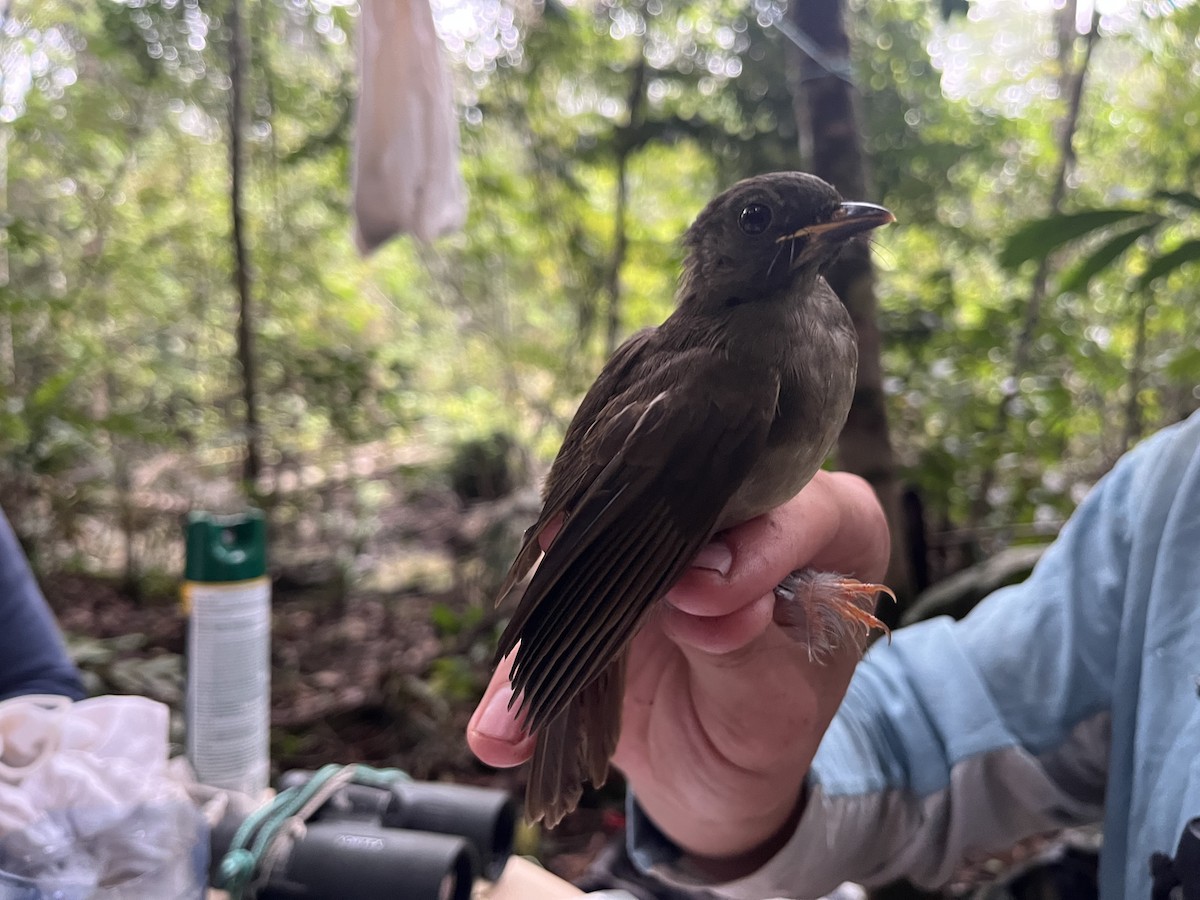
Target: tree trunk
x,y
123,485
829,131
625,139
241,270
1137,366
612,280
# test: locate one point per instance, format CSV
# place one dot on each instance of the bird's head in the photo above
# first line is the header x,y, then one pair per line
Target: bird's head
x,y
771,233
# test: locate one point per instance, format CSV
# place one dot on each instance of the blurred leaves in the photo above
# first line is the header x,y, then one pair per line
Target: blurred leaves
x,y
1077,278
116,312
1164,265
1043,236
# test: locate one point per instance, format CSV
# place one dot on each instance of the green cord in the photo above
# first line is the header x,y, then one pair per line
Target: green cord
x,y
263,827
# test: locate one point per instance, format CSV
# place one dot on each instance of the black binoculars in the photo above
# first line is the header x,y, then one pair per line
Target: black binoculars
x,y
410,840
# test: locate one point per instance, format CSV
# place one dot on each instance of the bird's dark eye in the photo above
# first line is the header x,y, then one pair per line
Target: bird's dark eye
x,y
755,218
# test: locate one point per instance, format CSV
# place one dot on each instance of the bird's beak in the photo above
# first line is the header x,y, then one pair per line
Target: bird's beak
x,y
848,220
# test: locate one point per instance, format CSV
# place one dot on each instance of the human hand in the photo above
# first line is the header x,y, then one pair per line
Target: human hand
x,y
723,712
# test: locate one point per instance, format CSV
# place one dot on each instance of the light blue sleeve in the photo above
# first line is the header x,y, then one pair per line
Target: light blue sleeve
x,y
963,737
1030,665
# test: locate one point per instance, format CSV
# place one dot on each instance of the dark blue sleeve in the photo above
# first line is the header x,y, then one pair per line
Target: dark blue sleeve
x,y
33,657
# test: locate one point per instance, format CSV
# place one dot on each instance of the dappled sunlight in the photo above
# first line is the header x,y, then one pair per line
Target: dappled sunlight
x,y
1030,316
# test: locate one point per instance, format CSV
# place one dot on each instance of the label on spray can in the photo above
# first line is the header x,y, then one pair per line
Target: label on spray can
x,y
228,707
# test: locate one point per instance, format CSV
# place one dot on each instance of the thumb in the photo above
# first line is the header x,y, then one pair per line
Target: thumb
x,y
496,731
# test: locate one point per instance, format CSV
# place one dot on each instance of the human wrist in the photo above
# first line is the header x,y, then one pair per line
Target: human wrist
x,y
723,867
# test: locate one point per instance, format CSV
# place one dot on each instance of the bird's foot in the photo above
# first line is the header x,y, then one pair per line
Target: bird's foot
x,y
822,610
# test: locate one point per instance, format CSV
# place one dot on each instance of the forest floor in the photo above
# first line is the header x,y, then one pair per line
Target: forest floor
x,y
359,674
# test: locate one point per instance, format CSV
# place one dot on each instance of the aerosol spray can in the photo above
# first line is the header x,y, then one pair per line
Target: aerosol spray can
x,y
227,599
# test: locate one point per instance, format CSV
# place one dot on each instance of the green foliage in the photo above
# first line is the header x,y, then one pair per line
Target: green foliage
x,y
1036,239
1176,258
953,314
455,678
450,621
486,468
1078,278
1041,238
117,309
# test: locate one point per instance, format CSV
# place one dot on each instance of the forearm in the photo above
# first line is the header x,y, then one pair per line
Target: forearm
x,y
926,767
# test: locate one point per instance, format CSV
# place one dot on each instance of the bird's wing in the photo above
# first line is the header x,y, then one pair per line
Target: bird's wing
x,y
660,465
572,469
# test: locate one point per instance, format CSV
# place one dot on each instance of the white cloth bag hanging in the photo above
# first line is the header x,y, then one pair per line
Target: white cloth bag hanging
x,y
406,173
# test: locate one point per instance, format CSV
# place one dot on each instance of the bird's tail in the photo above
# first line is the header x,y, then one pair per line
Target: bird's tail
x,y
575,747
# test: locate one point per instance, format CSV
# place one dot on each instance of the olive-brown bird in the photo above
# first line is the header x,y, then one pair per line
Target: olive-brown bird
x,y
721,413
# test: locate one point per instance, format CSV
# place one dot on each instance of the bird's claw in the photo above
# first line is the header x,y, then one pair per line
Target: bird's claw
x,y
822,610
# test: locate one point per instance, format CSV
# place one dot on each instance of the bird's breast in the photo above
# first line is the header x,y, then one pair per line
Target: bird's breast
x,y
778,476
815,392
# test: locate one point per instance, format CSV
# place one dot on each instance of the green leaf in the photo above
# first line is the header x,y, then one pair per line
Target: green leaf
x,y
452,678
1077,279
1181,197
1188,251
1184,365
1036,240
50,392
445,619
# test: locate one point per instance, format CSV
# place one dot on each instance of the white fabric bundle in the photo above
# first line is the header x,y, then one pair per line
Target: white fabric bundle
x,y
87,798
406,175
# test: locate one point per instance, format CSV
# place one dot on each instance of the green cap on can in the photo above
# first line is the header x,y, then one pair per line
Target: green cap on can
x,y
226,548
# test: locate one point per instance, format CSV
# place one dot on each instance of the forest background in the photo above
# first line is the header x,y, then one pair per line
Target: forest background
x,y
1032,315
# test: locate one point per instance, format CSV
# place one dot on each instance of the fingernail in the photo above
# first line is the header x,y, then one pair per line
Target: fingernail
x,y
497,721
715,556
